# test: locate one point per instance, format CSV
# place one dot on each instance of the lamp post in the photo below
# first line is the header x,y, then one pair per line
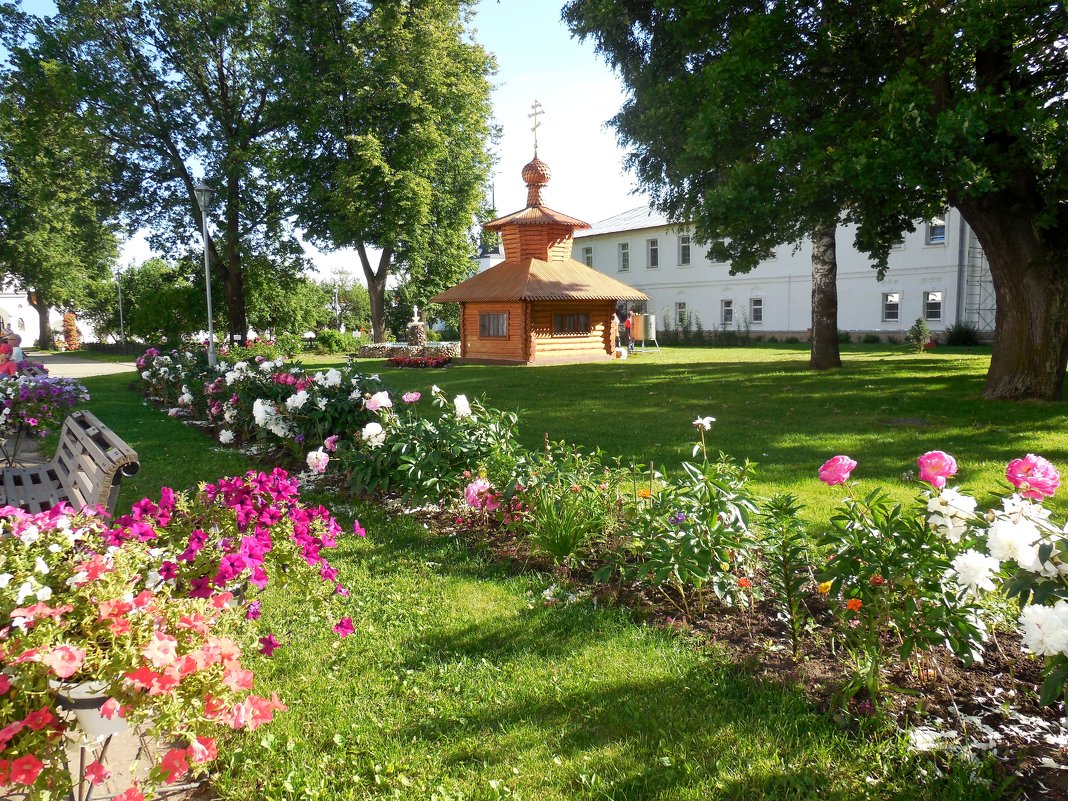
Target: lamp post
x,y
204,193
122,327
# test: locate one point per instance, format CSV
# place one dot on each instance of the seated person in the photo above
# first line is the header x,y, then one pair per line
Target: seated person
x,y
7,366
17,354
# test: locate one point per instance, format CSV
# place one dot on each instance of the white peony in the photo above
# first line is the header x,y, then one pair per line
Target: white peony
x,y
463,408
146,375
704,423
261,411
318,460
975,570
1006,538
1045,628
373,434
226,436
950,503
294,402
331,378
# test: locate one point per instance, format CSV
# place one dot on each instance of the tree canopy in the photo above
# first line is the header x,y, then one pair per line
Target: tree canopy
x,y
885,110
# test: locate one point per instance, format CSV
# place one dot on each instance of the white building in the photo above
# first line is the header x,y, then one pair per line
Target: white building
x,y
17,313
937,272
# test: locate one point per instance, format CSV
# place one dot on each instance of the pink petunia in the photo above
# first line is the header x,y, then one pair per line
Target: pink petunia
x,y
936,467
837,470
344,627
359,530
162,651
96,773
1034,476
65,660
268,645
26,769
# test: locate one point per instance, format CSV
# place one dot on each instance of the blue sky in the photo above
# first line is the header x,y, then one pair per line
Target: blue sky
x,y
537,60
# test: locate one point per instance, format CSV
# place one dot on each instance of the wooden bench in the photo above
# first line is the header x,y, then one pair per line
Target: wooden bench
x,y
90,462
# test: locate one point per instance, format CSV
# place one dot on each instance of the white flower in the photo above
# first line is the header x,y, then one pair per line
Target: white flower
x,y
318,460
950,503
147,376
463,408
185,400
1045,628
974,569
30,534
1006,538
230,414
41,566
261,411
266,367
226,436
25,591
294,402
331,378
704,423
5,579
44,594
373,434
380,400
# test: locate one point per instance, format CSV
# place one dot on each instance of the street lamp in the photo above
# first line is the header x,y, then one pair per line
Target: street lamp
x,y
122,327
204,193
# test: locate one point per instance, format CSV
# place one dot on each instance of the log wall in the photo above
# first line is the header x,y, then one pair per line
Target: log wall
x,y
510,348
545,242
546,345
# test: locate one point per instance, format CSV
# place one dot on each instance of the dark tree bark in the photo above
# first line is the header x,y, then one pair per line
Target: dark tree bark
x,y
376,289
824,354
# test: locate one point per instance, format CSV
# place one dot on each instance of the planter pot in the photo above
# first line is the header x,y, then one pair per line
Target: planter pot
x,y
82,704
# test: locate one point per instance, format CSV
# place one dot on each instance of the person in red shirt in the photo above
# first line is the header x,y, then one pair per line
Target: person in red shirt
x,y
629,325
7,366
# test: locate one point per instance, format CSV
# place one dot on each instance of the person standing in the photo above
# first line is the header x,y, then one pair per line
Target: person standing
x,y
629,326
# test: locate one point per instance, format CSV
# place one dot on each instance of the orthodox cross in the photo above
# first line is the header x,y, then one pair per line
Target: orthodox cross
x,y
536,111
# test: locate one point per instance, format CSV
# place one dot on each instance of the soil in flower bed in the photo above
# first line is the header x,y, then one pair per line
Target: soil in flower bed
x,y
988,708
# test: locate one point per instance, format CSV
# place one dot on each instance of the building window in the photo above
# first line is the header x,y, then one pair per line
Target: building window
x,y
726,312
624,257
936,231
891,307
684,250
493,324
680,314
652,248
587,256
578,323
756,310
932,305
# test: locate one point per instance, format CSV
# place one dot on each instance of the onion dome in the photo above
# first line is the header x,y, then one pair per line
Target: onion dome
x,y
536,175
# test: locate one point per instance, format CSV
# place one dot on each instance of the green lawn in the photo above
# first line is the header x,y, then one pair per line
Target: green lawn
x,y
461,684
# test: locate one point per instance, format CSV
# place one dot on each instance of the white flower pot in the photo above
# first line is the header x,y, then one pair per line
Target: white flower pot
x,y
82,703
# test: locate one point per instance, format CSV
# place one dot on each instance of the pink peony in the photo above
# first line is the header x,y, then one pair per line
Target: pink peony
x,y
837,470
65,660
318,460
1033,476
330,443
474,493
411,397
936,467
380,400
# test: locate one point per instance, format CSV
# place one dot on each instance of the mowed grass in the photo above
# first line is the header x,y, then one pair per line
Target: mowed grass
x,y
460,683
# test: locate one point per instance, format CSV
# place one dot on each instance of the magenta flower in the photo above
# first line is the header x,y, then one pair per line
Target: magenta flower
x,y
1034,476
359,530
330,443
344,627
253,612
268,645
936,467
837,470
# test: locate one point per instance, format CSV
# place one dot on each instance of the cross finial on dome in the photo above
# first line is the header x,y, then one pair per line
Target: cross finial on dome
x,y
536,111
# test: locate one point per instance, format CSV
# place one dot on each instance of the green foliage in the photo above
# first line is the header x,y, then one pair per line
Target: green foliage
x,y
785,556
888,568
844,337
282,301
870,339
963,333
328,341
918,335
162,302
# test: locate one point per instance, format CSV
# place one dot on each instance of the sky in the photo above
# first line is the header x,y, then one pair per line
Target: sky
x,y
537,60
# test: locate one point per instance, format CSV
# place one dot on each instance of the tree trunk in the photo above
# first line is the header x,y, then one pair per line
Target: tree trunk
x,y
1031,289
376,289
234,287
46,340
824,354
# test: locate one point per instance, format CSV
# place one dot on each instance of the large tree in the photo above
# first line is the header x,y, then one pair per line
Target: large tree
x,y
391,159
957,102
186,87
57,236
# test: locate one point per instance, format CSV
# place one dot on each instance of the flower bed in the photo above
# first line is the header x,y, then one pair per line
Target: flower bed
x,y
154,610
387,350
420,361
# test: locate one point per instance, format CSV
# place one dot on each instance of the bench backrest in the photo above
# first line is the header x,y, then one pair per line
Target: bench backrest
x,y
90,461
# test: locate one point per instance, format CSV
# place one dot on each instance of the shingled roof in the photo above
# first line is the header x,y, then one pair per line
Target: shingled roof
x,y
534,279
538,264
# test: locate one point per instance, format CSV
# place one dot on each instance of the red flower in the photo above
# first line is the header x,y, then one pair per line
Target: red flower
x,y
744,583
854,604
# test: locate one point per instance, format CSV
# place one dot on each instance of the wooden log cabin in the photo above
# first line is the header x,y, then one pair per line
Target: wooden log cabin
x,y
538,306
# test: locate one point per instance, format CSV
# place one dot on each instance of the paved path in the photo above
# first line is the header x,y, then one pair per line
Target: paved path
x,y
64,366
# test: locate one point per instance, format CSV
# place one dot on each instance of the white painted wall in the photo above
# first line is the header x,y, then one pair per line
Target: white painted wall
x,y
783,284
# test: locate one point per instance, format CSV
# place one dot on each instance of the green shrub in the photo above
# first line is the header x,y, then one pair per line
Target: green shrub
x,y
962,333
330,341
844,337
919,335
871,339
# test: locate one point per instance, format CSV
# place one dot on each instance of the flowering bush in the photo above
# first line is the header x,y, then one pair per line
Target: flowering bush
x,y
152,611
420,361
424,457
32,406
